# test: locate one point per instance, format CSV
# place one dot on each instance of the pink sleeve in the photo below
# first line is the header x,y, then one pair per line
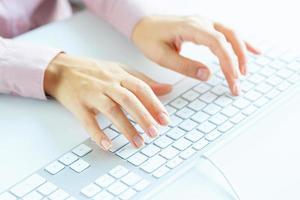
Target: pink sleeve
x,y
123,14
21,70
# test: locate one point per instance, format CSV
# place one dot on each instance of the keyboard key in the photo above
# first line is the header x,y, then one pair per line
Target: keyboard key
x,y
190,95
219,90
131,179
54,167
182,144
247,86
104,195
128,194
223,101
82,150
58,195
213,135
139,128
187,153
252,95
27,185
147,139
174,162
274,80
117,188
225,127
127,151
47,188
254,68
141,185
238,118
249,110
179,103
200,117
273,93
256,78
206,127
263,61
105,180
137,159
188,125
214,80
69,198
241,103
153,163
163,129
290,56
150,150
163,142
283,86
208,97
200,144
194,135
7,196
218,119
79,166
202,88
185,113
267,71
33,196
263,88
294,78
175,133
285,73
68,158
295,66
111,134
230,111
175,120
260,102
197,105
118,171
212,109
161,171
169,152
118,143
90,190
170,109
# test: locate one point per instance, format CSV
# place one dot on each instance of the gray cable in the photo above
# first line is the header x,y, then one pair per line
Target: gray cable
x,y
223,175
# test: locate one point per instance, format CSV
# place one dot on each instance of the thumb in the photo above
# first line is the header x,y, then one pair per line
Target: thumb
x,y
158,88
176,62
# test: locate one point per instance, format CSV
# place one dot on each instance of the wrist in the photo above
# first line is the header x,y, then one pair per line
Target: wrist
x,y
53,74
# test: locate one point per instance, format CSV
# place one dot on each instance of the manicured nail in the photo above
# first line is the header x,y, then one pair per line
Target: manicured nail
x,y
202,74
138,141
163,119
105,144
236,87
152,131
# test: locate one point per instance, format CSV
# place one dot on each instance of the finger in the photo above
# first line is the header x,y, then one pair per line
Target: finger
x,y
89,121
146,96
132,105
114,113
158,88
237,44
252,49
172,60
218,45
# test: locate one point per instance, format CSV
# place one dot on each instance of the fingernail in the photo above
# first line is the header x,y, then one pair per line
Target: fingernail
x,y
138,141
236,87
105,144
163,119
152,131
202,74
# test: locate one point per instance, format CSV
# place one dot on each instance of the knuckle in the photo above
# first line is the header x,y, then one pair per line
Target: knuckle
x,y
112,107
125,98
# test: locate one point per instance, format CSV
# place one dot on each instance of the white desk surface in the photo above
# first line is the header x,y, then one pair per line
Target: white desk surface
x,y
35,132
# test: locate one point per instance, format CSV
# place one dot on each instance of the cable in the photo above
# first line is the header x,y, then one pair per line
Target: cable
x,y
223,175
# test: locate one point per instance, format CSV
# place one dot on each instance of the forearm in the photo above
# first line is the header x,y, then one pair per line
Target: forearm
x,y
22,68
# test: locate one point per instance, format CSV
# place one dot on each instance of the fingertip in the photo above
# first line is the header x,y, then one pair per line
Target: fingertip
x,y
161,89
105,144
138,141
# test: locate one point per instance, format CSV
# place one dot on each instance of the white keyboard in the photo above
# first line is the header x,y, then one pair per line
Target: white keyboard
x,y
200,115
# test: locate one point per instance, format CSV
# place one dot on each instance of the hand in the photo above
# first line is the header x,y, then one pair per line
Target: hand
x,y
160,39
87,87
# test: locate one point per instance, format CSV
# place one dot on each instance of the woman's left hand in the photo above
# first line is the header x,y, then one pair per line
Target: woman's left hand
x,y
160,39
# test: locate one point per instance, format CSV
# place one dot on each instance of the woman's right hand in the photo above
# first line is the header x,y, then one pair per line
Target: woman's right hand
x,y
87,87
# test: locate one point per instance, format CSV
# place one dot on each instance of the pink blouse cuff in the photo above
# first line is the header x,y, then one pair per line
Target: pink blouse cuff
x,y
22,68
